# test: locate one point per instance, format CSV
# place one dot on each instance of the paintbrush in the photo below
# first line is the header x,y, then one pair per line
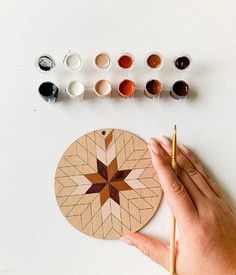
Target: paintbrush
x,y
173,222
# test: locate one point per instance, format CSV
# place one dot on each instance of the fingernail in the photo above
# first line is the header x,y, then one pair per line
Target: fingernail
x,y
185,149
165,141
153,145
127,241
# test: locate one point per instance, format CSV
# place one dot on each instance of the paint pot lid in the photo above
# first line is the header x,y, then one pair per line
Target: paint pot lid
x,y
182,62
45,63
125,61
72,61
75,88
102,61
103,87
154,61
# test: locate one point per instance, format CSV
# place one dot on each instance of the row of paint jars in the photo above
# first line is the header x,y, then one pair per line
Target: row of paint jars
x,y
103,89
102,61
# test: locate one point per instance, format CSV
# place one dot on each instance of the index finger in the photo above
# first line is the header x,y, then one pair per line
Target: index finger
x,y
176,194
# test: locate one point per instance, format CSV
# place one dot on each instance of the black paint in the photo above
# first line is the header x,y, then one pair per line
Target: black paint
x,y
48,91
180,89
182,62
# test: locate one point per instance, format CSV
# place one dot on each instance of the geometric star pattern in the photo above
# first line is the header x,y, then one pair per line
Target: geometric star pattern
x,y
105,184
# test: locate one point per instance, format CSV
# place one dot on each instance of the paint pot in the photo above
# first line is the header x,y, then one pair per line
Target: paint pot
x,y
103,89
180,90
72,62
48,91
125,61
182,62
155,61
102,61
76,90
153,88
126,88
45,63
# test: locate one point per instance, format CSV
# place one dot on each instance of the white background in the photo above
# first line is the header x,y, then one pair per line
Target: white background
x,y
35,239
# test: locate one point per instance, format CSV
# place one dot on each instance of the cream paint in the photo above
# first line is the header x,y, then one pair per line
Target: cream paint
x,y
103,88
102,61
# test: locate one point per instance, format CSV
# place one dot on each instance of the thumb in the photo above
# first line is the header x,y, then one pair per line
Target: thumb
x,y
154,249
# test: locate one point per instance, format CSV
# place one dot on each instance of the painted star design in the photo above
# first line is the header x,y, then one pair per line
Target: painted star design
x,y
108,181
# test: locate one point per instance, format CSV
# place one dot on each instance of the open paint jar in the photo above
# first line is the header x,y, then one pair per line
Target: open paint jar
x,y
125,61
48,91
45,63
182,62
102,61
155,61
153,88
103,89
180,90
76,90
72,62
126,88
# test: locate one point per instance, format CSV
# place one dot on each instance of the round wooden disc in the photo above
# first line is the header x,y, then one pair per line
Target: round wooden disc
x,y
105,184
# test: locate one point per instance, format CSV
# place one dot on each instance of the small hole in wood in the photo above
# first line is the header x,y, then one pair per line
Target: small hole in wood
x,y
103,133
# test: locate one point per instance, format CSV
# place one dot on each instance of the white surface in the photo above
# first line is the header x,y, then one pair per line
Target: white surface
x,y
34,236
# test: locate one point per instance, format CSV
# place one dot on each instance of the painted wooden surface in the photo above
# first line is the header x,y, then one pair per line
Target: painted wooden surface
x,y
105,184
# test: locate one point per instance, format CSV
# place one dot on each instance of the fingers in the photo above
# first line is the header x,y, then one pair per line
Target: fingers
x,y
153,249
189,168
196,162
176,194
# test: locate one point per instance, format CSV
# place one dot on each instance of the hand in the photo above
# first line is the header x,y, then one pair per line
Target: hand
x,y
207,224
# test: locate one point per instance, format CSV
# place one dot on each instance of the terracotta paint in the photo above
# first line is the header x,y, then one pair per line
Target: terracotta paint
x,y
103,88
153,88
102,61
125,61
126,88
154,61
180,89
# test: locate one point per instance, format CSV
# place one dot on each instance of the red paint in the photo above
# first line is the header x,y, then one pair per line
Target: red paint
x,y
126,88
125,61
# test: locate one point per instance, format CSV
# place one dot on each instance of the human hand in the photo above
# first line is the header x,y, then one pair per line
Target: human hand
x,y
207,224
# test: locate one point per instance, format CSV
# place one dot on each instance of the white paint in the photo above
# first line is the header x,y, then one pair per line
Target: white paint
x,y
75,90
72,61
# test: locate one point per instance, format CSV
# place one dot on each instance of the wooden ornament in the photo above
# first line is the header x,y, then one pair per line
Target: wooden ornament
x,y
105,184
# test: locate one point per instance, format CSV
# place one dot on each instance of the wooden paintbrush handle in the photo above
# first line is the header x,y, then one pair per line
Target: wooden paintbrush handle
x,y
172,232
172,246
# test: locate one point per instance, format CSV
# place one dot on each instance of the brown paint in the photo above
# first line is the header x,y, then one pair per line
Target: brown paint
x,y
111,175
125,61
180,89
182,62
153,88
154,61
126,88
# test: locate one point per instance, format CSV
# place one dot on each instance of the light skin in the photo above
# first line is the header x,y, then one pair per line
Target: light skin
x,y
206,222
